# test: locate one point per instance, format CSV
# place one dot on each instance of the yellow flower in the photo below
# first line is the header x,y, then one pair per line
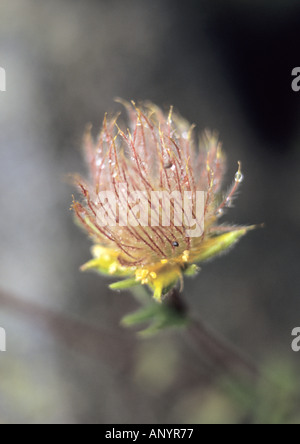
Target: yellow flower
x,y
134,237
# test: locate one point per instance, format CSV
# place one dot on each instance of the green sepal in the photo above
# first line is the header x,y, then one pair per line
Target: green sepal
x,y
125,284
217,245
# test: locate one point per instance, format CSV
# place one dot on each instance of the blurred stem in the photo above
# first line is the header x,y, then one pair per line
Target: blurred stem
x,y
95,341
221,355
74,333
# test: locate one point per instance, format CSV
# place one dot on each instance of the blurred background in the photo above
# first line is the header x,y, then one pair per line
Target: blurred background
x,y
223,65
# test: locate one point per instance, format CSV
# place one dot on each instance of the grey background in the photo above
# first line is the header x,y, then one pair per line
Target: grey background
x,y
224,66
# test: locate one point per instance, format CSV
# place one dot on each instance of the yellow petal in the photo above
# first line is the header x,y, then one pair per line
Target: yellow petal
x,y
106,262
162,278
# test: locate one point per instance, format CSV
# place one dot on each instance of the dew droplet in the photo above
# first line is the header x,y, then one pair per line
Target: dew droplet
x,y
239,177
220,212
175,244
185,135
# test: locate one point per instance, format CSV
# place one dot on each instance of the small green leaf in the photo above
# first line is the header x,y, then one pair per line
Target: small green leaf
x,y
159,316
123,285
141,316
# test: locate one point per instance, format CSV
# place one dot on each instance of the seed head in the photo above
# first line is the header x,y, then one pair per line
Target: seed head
x,y
145,239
